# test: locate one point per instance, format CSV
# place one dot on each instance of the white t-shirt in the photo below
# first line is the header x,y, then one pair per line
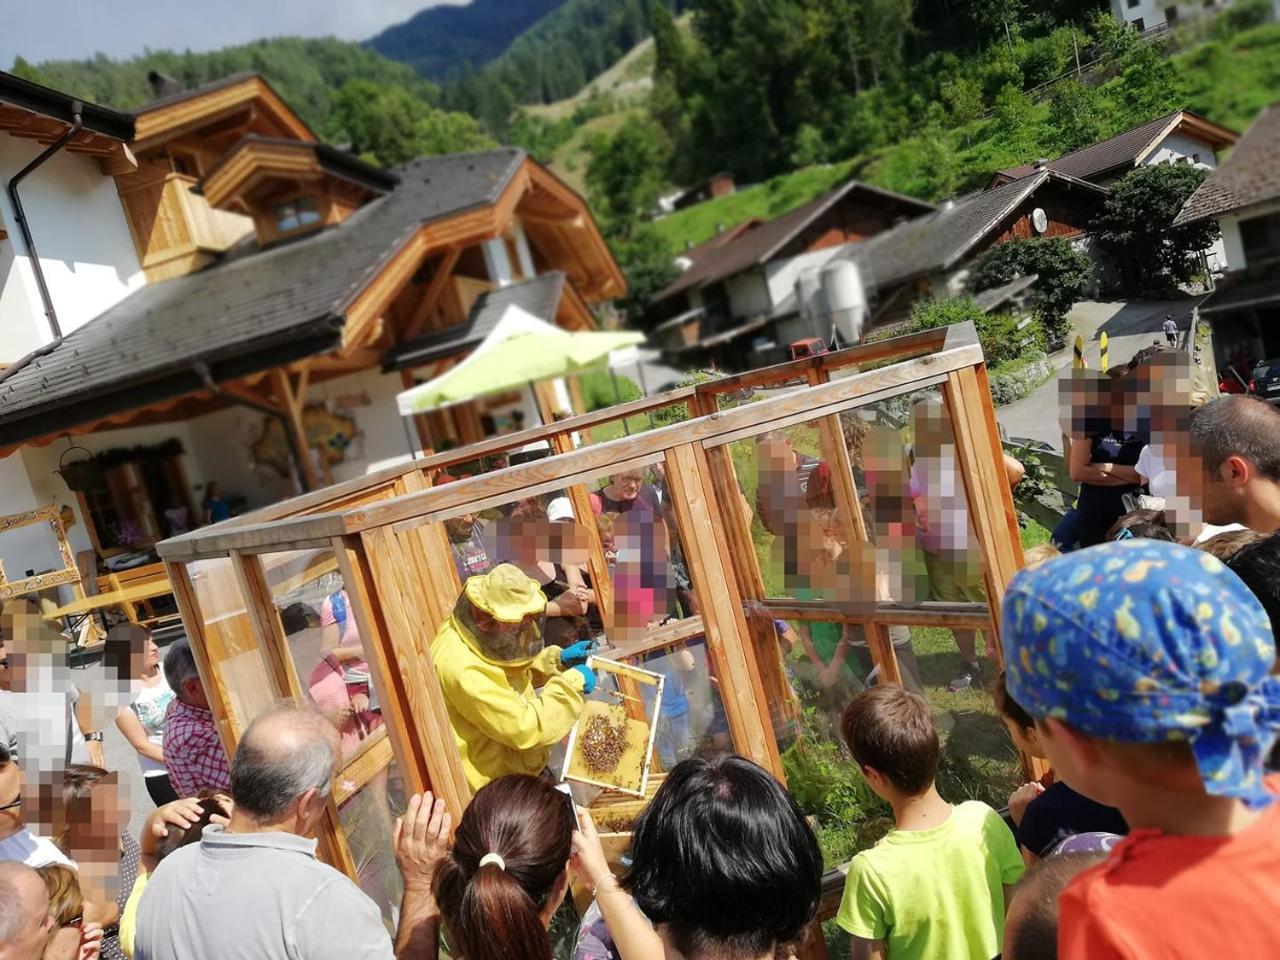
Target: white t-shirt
x,y
150,706
32,850
1157,472
42,720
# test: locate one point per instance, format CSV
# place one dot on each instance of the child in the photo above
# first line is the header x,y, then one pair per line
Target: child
x,y
1046,813
1145,665
937,885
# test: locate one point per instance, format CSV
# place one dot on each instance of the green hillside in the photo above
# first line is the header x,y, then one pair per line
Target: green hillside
x,y
1229,79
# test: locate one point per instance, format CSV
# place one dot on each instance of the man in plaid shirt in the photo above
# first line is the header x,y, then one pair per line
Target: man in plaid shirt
x,y
193,753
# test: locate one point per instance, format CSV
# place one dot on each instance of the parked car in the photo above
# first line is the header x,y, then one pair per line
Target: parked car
x,y
809,347
1264,382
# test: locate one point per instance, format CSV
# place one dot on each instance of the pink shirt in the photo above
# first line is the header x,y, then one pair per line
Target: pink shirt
x,y
329,690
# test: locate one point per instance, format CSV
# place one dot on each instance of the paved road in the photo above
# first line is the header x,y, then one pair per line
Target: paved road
x,y
1129,327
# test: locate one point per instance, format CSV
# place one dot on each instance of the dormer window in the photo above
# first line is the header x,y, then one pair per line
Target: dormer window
x,y
292,187
301,212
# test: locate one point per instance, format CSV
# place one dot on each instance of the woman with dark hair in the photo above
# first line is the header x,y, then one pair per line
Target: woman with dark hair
x,y
508,871
724,864
131,654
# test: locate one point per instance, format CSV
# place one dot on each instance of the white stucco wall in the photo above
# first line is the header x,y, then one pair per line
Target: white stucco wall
x,y
1232,245
85,247
29,479
1178,145
748,294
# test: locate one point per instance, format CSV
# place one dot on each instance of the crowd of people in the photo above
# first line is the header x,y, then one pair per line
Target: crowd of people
x,y
1139,672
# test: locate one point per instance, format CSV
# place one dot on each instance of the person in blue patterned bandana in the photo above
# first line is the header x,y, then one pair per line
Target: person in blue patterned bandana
x,y
1147,668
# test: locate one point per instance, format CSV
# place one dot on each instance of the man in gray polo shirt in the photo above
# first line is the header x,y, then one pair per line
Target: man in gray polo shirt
x,y
255,890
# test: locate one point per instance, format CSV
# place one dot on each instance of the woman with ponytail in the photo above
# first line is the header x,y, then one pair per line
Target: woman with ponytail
x,y
508,871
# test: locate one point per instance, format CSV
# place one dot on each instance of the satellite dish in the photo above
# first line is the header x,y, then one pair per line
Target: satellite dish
x,y
1039,220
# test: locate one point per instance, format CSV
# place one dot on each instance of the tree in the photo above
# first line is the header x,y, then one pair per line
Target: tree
x,y
1061,270
648,265
389,125
1135,231
626,174
1074,116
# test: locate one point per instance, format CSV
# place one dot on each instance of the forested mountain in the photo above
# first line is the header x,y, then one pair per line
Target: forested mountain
x,y
306,72
439,40
556,57
349,94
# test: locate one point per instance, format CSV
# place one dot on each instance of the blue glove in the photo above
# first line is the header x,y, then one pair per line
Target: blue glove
x,y
588,679
576,654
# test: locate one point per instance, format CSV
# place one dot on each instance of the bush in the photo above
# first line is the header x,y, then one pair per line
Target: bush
x,y
999,334
598,390
1062,273
1019,378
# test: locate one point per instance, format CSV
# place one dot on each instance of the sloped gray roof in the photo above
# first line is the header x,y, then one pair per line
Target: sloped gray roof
x,y
940,240
1249,176
539,297
1126,149
243,313
759,245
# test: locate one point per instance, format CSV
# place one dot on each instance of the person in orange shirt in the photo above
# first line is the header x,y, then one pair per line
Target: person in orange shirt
x,y
1146,667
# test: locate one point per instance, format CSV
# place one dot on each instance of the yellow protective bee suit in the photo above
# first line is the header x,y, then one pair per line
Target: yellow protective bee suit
x,y
499,724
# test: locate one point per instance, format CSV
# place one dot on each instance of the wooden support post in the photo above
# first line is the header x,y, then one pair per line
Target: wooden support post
x,y
389,615
184,595
981,465
995,520
710,564
291,406
735,521
597,563
431,297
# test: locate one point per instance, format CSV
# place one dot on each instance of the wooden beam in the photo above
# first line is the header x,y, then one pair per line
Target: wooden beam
x,y
710,565
292,409
431,296
391,610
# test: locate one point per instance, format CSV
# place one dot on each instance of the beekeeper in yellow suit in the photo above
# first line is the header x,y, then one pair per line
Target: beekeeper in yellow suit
x,y
489,655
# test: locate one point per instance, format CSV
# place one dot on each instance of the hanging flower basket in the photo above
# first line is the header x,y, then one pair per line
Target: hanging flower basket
x,y
78,474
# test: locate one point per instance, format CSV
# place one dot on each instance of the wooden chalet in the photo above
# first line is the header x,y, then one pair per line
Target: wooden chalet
x,y
285,282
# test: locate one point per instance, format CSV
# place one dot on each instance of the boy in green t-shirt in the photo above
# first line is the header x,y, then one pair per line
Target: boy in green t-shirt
x,y
935,888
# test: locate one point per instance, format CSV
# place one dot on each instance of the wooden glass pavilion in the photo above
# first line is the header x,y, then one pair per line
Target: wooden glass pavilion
x,y
382,539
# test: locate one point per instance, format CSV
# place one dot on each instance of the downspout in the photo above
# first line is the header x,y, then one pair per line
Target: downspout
x,y
300,475
20,217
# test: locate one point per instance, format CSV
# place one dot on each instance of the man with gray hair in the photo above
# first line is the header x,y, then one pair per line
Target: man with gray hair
x,y
193,753
254,890
25,924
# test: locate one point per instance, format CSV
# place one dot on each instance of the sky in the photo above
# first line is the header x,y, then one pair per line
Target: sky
x,y
73,29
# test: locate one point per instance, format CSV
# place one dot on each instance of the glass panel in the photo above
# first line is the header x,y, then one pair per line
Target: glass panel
x,y
307,212
239,665
324,641
978,758
368,819
286,217
801,539
650,623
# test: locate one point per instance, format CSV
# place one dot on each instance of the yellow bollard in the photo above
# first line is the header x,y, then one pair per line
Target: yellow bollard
x,y
1104,363
1077,360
